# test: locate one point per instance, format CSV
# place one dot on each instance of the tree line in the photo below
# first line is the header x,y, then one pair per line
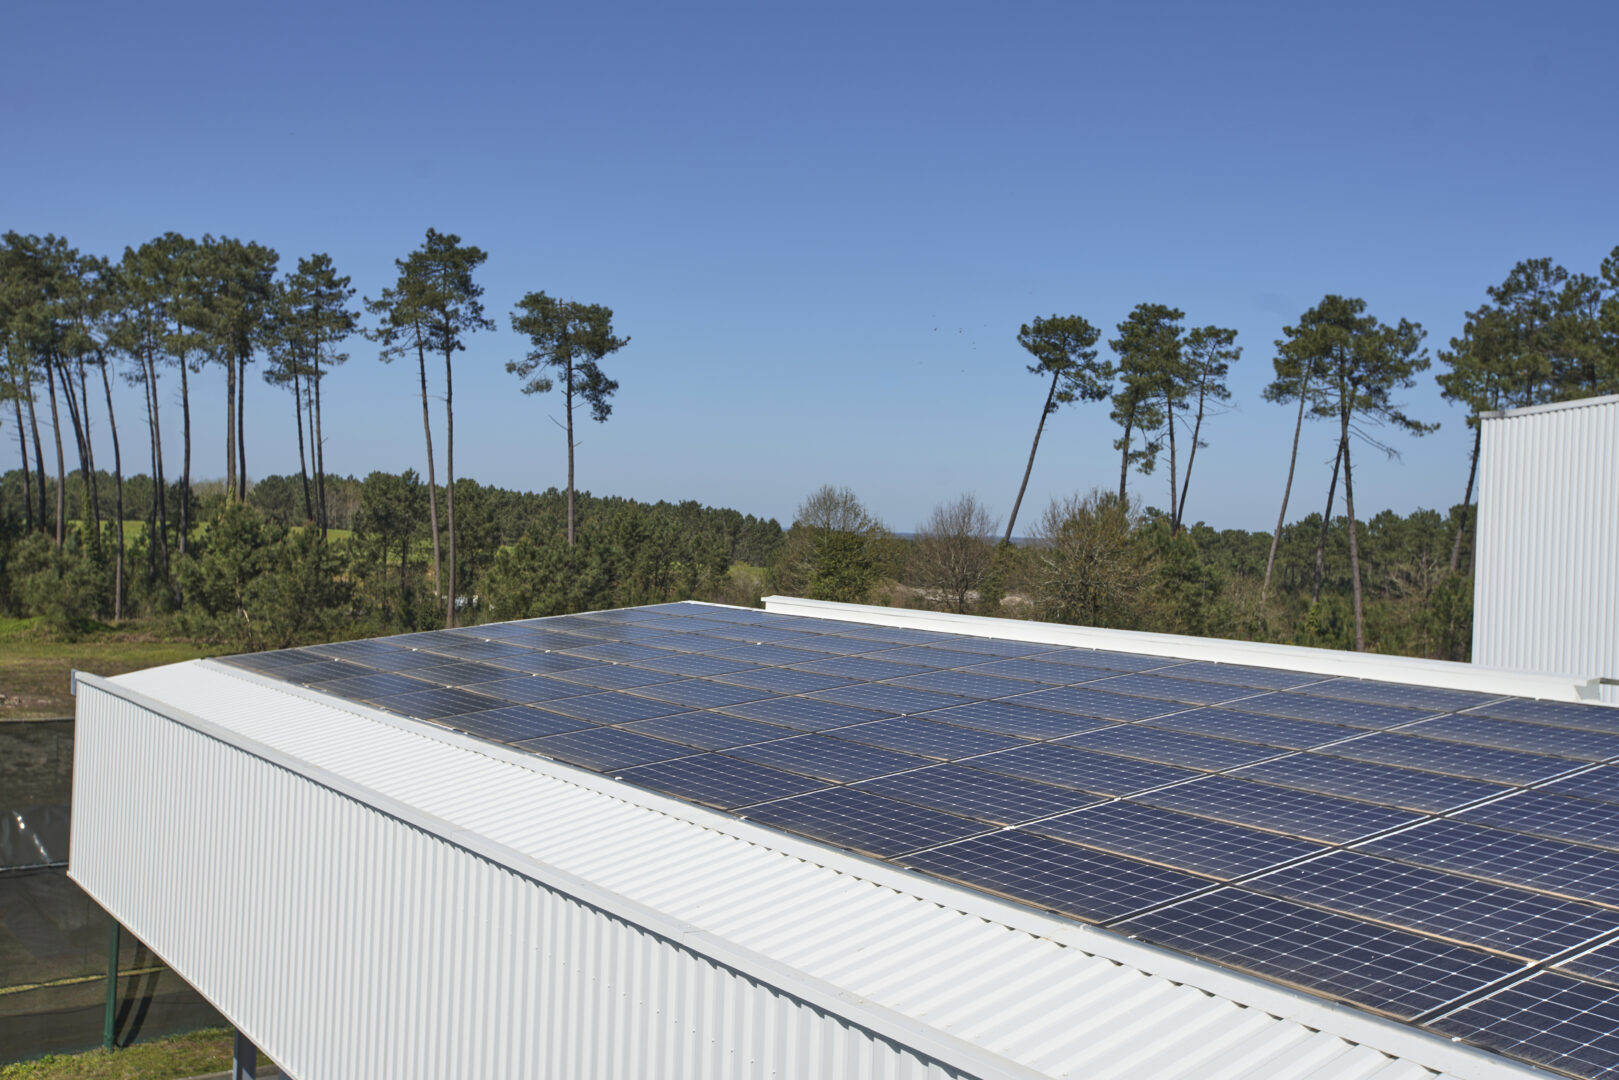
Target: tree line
x,y
176,305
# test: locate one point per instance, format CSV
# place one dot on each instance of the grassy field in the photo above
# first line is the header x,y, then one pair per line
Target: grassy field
x,y
34,666
196,1054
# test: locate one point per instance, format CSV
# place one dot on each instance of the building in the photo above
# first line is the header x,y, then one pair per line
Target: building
x,y
829,840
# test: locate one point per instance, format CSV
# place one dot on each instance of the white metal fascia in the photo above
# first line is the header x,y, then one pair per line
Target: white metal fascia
x,y
661,876
1443,674
1554,406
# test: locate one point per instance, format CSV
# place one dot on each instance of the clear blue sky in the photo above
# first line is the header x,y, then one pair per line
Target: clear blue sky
x,y
822,225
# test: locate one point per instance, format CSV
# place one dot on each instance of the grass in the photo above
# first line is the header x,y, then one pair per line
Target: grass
x,y
200,1052
34,664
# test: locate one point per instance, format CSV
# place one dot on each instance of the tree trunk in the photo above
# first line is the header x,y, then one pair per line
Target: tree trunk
x,y
90,454
1041,426
1354,544
118,478
230,428
449,482
39,455
432,484
1174,516
61,467
1467,502
298,414
1124,458
241,429
1326,522
319,453
185,457
1287,491
567,390
27,474
160,539
1191,453
70,398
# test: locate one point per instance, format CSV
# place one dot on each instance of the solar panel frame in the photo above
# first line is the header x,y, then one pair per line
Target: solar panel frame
x,y
1305,814
825,758
1386,785
1012,718
863,822
1068,766
802,713
1373,717
1555,867
985,796
1588,746
605,749
1549,1019
723,783
1581,717
925,738
1280,732
1180,841
1170,747
1084,701
709,730
1455,759
1558,817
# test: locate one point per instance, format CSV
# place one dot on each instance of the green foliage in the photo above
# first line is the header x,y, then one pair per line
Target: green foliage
x,y
836,550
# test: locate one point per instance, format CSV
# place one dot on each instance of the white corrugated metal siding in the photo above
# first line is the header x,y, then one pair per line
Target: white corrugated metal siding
x,y
1546,585
367,896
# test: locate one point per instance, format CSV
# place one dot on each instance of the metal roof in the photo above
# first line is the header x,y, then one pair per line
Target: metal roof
x,y
989,987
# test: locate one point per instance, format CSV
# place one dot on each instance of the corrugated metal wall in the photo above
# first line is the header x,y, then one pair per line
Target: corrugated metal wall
x,y
396,953
1546,587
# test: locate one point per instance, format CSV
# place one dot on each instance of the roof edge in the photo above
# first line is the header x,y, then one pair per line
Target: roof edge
x,y
1554,406
1413,671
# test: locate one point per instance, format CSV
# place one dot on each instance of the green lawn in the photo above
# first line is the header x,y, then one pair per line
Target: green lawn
x,y
195,1054
34,666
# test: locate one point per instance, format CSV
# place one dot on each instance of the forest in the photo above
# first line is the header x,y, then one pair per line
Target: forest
x,y
251,564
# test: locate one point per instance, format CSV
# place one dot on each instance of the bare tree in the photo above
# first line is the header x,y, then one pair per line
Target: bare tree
x,y
955,549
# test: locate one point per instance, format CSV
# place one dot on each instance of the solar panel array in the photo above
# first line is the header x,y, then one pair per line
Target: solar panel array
x,y
1446,858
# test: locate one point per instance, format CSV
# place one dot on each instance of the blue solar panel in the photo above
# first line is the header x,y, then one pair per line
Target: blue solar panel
x,y
1088,702
1100,774
1406,696
1276,731
1457,759
1552,1020
1560,817
927,738
1389,785
700,693
1534,862
805,714
1557,713
718,781
1601,784
1185,691
709,730
514,723
1176,840
986,796
605,749
965,684
613,708
1009,718
1334,711
896,700
827,759
1296,813
1170,747
863,822
1601,964
1517,735
1257,678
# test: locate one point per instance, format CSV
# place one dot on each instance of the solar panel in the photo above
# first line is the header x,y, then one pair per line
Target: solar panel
x,y
1388,785
1036,671
1457,759
605,749
897,700
1601,964
1087,702
540,663
1392,971
927,738
1276,731
1530,926
1170,747
438,702
525,689
930,658
1101,658
1297,813
965,684
1008,718
701,693
1406,696
1601,784
1333,711
1257,678
764,654
1090,885
805,714
1557,713
897,636
1550,1019
709,730
614,676
859,667
1002,800
362,652
514,723
1534,862
1100,774
613,708
693,664
447,672
1561,817
863,822
783,680
322,671
377,685
480,650
1176,840
1185,691
985,646
718,781
826,758
1517,735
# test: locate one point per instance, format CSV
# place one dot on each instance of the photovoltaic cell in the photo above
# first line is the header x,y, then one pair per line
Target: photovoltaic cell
x,y
1001,800
718,781
1256,678
693,664
369,653
1517,735
987,646
770,655
1184,691
1457,759
701,693
438,702
859,667
1559,713
1388,785
898,700
1275,731
1100,774
1264,806
864,822
1530,926
459,672
378,685
1433,698
1334,711
1170,747
322,671
480,650
1601,784
927,738
1392,971
541,663
1087,702
1177,840
1534,862
826,758
613,708
709,730
965,684
1550,1019
1101,658
805,714
929,657
1601,964
1560,817
1090,885
514,723
525,689
1034,671
894,635
1008,718
783,680
605,749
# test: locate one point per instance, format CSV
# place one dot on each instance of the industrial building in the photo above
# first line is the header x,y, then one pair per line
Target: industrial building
x,y
830,840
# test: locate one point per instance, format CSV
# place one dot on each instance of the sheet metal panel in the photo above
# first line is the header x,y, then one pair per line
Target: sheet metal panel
x,y
1546,583
349,941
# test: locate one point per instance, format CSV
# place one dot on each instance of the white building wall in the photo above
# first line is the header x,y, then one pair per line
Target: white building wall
x,y
1546,585
347,944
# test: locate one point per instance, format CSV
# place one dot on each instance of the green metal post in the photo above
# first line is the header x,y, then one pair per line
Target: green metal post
x,y
112,983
